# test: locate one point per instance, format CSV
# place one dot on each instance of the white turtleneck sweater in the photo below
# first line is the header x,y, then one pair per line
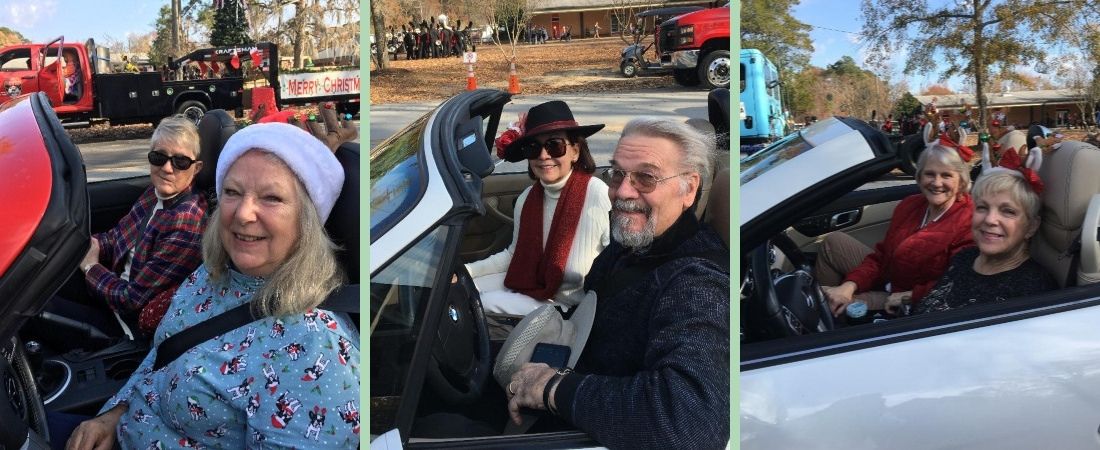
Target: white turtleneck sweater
x,y
593,234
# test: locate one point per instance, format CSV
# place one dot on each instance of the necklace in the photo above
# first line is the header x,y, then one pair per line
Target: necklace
x,y
928,212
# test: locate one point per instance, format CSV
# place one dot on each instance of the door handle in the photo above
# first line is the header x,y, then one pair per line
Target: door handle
x,y
843,219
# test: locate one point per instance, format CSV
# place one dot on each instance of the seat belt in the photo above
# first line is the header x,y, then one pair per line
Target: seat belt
x,y
343,299
1074,252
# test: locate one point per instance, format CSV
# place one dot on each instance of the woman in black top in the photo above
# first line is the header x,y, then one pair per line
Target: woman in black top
x,y
1006,215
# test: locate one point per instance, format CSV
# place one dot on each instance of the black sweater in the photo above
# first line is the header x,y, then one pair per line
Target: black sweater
x,y
655,370
962,286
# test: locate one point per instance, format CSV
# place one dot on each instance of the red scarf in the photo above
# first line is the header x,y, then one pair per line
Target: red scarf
x,y
537,272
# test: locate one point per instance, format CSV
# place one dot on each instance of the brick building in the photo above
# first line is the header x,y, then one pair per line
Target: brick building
x,y
1053,108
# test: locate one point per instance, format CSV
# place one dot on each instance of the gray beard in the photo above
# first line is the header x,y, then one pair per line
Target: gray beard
x,y
620,225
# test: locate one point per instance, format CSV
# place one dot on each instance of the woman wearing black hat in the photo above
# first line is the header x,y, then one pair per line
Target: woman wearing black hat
x,y
561,222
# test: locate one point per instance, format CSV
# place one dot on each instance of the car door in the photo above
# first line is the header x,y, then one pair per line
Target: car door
x,y
110,200
17,74
50,77
492,232
1019,374
863,214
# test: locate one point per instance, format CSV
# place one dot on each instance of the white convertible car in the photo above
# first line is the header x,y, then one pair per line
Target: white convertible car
x,y
1021,374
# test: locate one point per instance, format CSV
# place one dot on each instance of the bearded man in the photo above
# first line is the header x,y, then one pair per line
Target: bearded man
x,y
655,370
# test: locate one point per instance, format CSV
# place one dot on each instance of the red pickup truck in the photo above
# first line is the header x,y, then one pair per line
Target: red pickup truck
x,y
81,90
697,47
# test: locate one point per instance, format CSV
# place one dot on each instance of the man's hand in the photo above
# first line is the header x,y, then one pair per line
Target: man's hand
x,y
839,296
525,390
97,433
92,256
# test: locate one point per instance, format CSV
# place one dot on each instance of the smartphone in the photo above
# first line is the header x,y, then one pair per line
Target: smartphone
x,y
552,355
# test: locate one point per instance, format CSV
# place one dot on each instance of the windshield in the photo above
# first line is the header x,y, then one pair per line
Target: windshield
x,y
775,155
398,298
397,177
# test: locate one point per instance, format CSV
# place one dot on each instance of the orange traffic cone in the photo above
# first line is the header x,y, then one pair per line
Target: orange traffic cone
x,y
513,79
471,81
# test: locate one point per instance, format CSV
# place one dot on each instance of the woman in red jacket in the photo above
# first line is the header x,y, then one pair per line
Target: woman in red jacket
x,y
925,231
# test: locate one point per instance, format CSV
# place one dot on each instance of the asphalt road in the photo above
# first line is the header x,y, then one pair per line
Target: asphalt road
x,y
612,109
117,159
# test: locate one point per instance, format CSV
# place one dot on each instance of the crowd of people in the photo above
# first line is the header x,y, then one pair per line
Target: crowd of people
x,y
432,39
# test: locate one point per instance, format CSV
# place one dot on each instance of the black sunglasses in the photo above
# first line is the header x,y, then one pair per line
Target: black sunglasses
x,y
180,162
555,147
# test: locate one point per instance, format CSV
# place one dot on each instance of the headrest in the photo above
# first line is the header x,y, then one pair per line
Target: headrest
x,y
717,214
1070,177
718,109
343,221
215,128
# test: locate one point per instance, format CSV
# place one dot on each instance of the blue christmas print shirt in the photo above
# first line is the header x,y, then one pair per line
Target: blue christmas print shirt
x,y
280,382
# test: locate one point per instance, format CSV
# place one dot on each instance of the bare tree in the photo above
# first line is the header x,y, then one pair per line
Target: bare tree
x,y
510,17
622,14
973,38
306,26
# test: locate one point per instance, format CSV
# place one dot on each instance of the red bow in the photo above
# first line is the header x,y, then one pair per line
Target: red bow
x,y
964,152
1011,160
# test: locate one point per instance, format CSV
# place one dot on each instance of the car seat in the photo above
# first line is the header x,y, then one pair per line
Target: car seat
x,y
215,128
717,126
717,213
343,222
343,228
1071,189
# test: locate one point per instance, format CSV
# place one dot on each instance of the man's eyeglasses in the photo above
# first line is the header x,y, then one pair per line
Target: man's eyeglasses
x,y
555,147
641,181
179,162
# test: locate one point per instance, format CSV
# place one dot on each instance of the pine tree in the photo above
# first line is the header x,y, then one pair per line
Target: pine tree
x,y
230,24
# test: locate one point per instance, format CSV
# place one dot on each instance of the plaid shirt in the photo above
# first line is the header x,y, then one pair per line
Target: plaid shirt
x,y
166,251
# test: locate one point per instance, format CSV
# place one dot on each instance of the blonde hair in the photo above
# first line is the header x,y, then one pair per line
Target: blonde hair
x,y
303,280
1000,180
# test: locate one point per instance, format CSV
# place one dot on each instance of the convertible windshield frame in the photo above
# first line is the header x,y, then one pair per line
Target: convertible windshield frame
x,y
397,166
844,153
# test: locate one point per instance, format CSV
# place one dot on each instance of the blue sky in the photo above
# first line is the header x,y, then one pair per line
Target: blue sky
x,y
830,45
78,20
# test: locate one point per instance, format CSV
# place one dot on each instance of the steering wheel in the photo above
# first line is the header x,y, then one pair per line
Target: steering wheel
x,y
23,414
460,356
788,304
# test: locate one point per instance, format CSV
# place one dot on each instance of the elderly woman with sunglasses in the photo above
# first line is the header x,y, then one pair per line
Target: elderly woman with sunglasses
x,y
561,221
159,242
